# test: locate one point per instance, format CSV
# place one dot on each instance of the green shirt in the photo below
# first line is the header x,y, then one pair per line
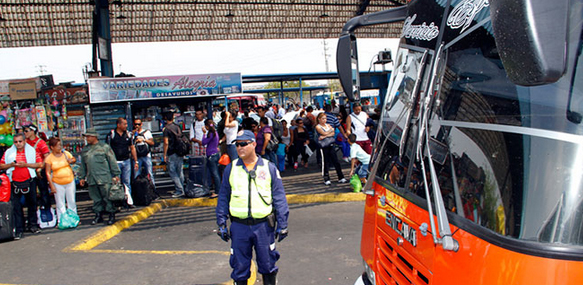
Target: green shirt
x,y
98,164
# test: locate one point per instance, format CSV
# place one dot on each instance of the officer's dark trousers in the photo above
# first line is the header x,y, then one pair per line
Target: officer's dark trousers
x,y
245,237
29,200
99,194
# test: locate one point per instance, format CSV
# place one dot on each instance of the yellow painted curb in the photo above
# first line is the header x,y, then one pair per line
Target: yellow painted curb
x,y
325,198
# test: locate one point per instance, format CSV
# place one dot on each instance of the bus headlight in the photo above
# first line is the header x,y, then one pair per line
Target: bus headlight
x,y
369,273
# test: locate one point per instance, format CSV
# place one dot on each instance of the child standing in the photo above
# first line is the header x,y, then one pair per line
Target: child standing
x,y
357,154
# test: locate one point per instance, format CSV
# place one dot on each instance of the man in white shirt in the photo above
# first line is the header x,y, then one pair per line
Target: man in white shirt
x,y
270,114
280,112
358,155
196,133
356,124
143,141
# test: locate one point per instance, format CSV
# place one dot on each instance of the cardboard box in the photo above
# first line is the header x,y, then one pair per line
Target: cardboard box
x,y
22,90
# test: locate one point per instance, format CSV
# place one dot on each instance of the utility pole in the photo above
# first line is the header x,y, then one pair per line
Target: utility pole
x,y
326,56
41,69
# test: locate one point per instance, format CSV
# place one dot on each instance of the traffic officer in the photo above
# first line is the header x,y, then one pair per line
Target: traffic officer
x,y
253,198
99,168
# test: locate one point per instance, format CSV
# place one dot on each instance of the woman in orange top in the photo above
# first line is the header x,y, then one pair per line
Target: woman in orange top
x,y
60,176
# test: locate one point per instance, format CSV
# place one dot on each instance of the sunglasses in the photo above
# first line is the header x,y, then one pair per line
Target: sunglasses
x,y
26,131
242,144
136,124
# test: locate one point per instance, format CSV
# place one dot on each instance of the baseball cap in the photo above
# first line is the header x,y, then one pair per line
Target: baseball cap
x,y
30,127
91,132
245,135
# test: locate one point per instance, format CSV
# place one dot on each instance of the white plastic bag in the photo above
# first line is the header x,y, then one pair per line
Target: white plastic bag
x,y
129,199
309,151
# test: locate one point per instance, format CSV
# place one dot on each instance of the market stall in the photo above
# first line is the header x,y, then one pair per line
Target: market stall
x,y
147,98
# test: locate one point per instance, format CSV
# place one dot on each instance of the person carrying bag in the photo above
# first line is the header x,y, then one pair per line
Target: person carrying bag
x,y
60,177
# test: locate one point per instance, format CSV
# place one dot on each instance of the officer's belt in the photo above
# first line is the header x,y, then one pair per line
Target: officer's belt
x,y
249,221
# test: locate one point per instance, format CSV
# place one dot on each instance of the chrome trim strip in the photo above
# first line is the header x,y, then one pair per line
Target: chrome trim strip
x,y
566,137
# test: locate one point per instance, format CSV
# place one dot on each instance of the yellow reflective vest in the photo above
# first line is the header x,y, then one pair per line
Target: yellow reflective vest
x,y
250,198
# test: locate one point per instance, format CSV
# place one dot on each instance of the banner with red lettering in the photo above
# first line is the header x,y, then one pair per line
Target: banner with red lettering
x,y
102,90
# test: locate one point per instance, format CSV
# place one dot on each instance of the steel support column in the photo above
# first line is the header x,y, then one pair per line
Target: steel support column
x,y
102,38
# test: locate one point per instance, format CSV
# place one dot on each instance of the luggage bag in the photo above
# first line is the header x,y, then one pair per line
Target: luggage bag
x,y
197,172
6,221
143,190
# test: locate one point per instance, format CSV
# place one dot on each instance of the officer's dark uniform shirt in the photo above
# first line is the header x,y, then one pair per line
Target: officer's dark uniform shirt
x,y
121,144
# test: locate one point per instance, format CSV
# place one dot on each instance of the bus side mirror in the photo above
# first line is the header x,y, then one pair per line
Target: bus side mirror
x,y
531,37
347,64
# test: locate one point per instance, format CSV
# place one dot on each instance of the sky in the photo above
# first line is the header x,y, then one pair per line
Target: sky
x,y
250,57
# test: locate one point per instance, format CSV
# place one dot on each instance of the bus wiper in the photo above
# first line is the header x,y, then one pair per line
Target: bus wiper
x,y
411,111
446,240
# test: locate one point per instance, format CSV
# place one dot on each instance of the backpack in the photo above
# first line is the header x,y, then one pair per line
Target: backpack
x,y
142,149
193,190
181,143
277,129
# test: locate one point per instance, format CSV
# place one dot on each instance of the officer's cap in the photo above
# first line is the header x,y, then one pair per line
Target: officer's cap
x,y
245,135
91,132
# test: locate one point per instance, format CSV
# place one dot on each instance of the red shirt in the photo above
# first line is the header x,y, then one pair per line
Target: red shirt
x,y
20,173
41,147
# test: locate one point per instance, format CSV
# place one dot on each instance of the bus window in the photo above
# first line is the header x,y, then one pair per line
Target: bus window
x,y
399,109
510,165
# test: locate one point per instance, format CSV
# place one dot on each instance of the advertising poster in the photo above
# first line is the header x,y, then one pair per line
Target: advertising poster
x,y
103,90
41,118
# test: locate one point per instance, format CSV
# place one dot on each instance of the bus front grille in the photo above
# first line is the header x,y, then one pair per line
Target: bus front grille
x,y
396,266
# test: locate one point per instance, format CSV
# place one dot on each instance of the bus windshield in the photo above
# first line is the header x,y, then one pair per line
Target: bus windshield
x,y
509,158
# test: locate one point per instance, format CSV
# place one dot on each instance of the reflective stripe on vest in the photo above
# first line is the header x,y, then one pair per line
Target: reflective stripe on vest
x,y
239,206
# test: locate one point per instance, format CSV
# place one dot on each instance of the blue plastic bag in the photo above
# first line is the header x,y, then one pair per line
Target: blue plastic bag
x,y
68,220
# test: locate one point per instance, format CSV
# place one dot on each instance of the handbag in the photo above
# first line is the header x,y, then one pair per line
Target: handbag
x,y
326,142
117,192
272,144
46,217
224,160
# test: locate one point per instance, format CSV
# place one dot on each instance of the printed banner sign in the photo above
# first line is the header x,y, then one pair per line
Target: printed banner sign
x,y
103,90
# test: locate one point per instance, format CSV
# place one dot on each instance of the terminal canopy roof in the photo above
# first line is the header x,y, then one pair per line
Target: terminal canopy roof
x,y
25,23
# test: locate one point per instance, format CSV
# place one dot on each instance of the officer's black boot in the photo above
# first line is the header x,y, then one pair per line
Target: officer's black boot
x,y
240,282
269,279
111,220
97,219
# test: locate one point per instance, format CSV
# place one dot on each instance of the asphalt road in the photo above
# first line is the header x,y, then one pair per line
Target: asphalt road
x,y
178,245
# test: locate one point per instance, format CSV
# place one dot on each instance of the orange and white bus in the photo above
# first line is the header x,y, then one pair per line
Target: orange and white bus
x,y
477,171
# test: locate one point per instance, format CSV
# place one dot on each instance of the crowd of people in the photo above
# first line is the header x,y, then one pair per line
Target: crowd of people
x,y
286,140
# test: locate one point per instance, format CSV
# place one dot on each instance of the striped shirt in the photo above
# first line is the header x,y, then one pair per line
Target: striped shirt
x,y
332,120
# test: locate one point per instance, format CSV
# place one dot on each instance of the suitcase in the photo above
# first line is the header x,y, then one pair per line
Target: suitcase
x,y
6,221
197,171
143,190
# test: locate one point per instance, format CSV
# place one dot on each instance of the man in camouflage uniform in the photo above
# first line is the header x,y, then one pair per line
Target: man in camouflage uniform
x,y
98,169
